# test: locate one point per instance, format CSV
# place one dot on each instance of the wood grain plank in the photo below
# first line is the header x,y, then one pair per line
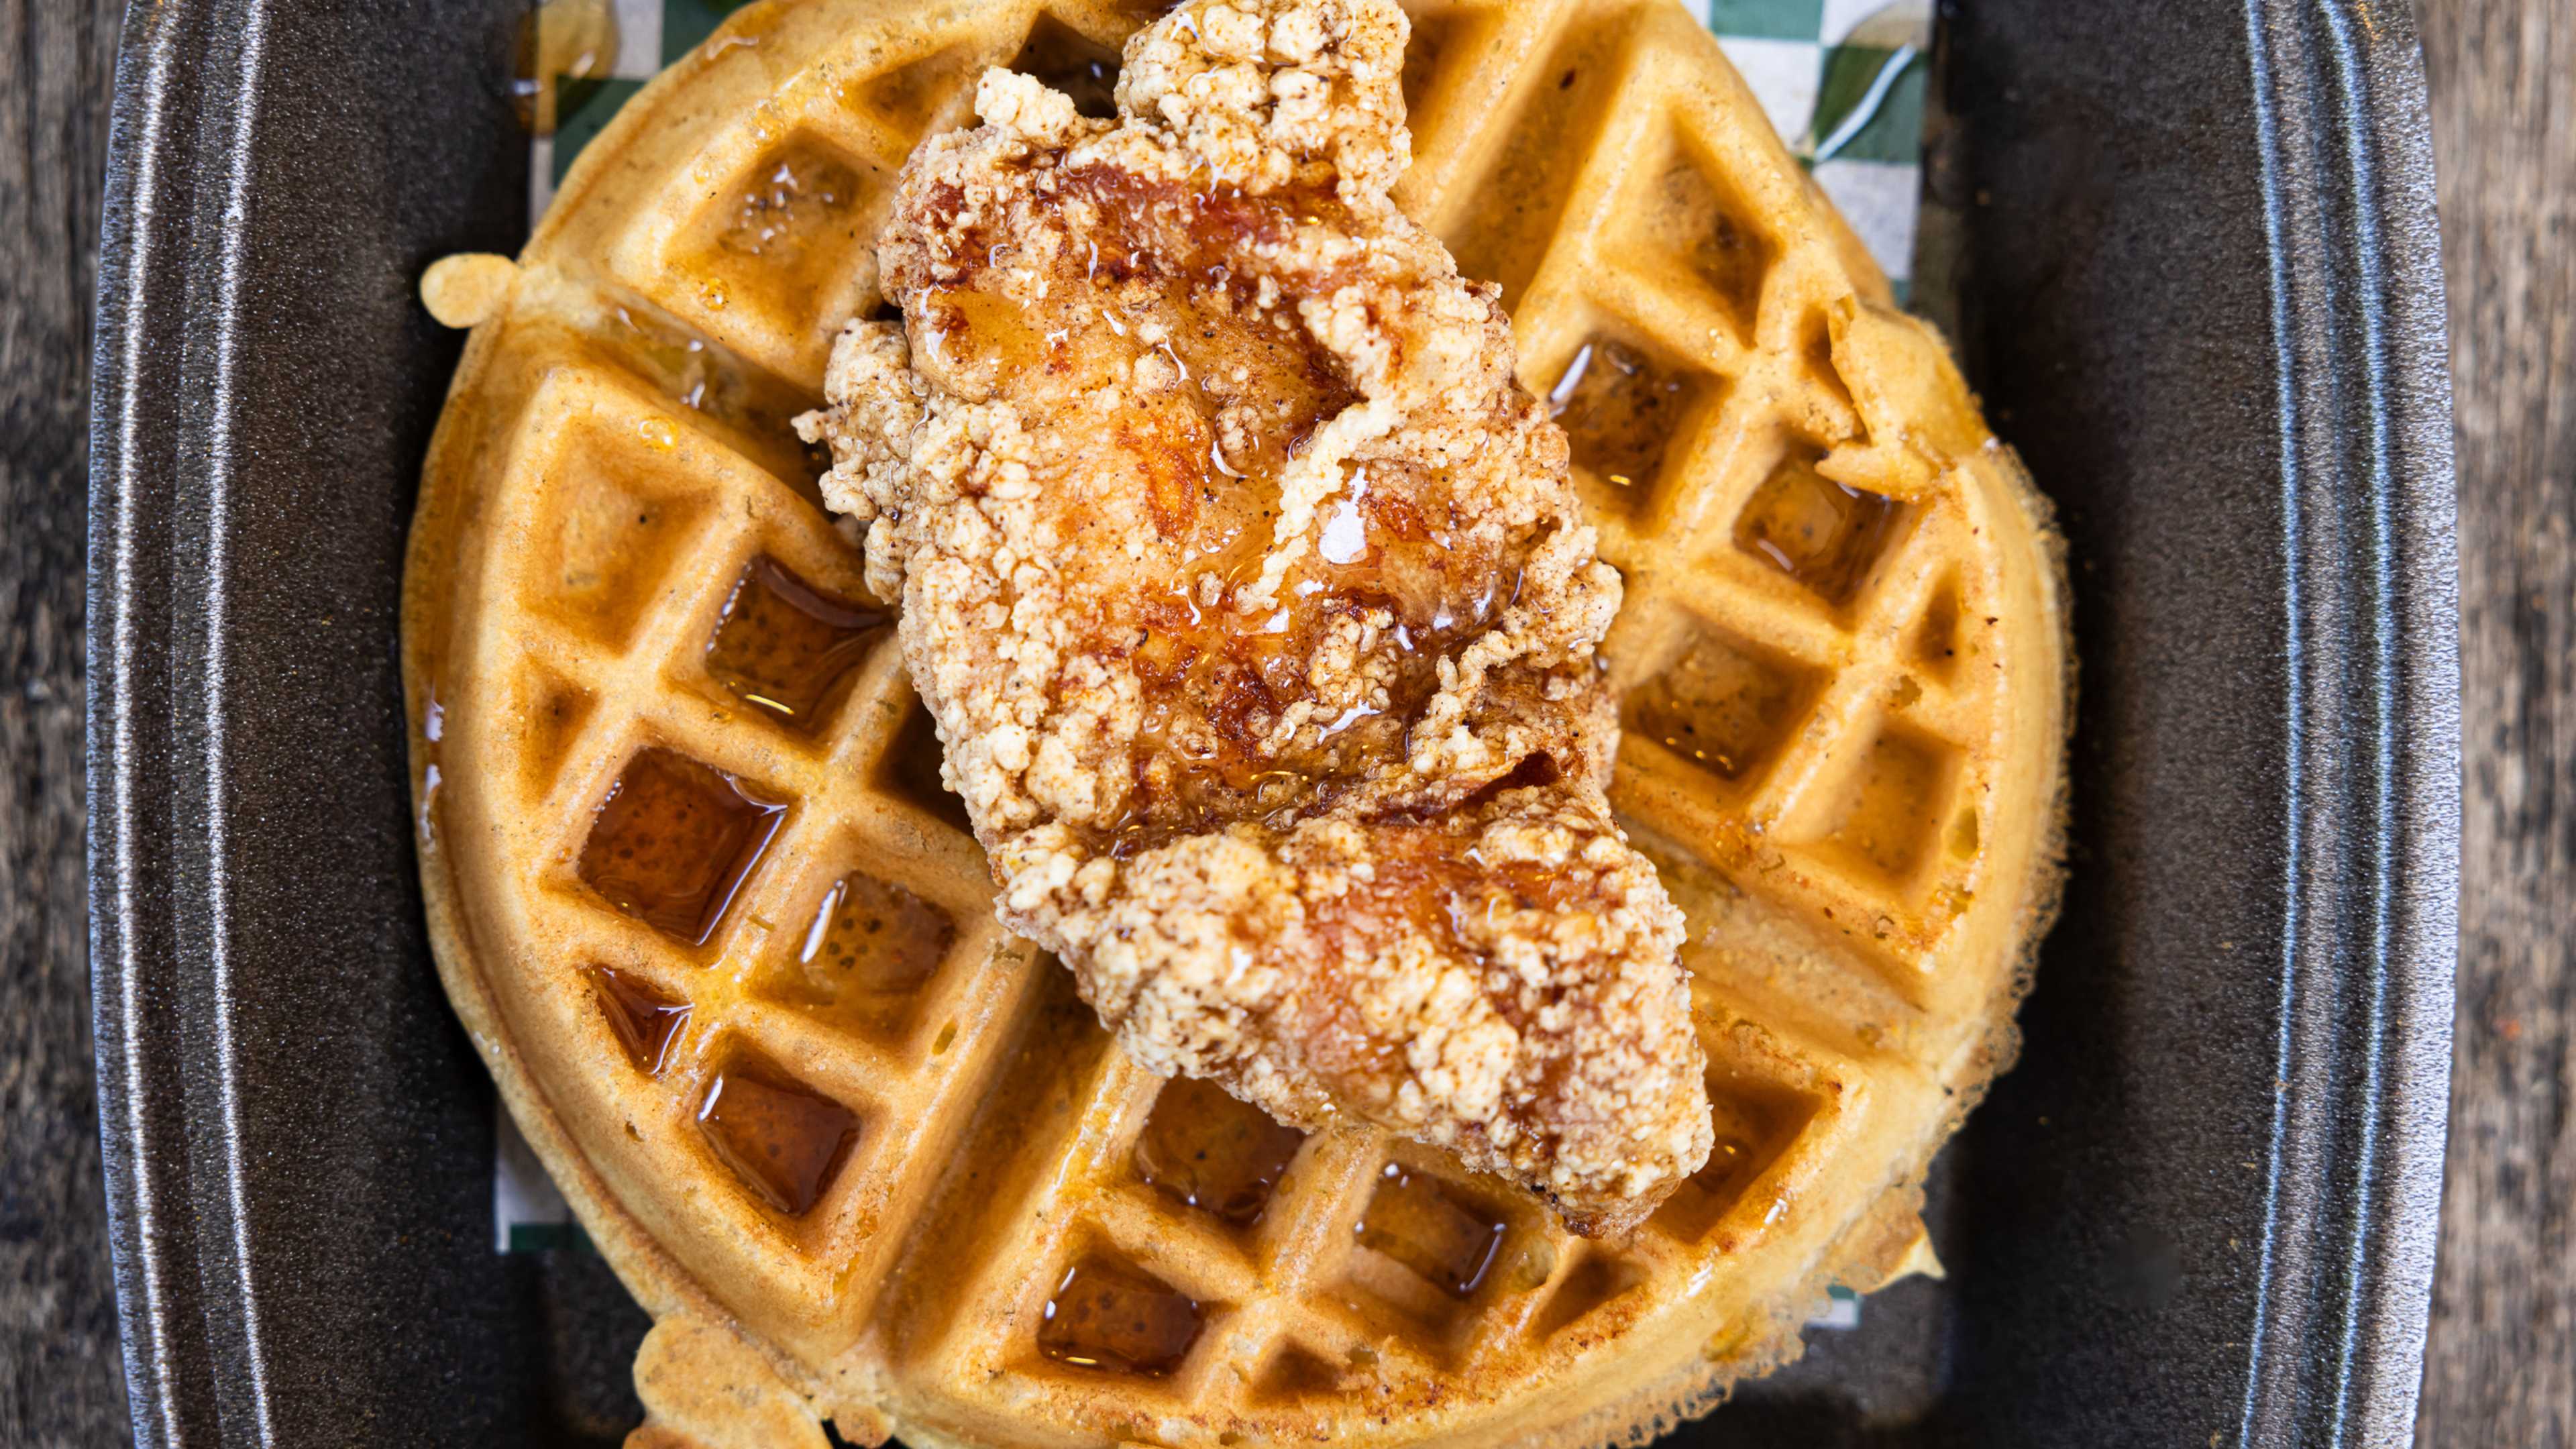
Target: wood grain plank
x,y
61,1380
2502,1365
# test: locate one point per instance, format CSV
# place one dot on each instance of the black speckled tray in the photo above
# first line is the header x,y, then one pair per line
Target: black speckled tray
x,y
2198,283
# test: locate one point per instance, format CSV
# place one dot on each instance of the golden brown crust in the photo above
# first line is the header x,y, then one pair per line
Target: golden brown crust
x,y
1250,593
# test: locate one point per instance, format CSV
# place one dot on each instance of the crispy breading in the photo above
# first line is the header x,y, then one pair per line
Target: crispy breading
x,y
1251,597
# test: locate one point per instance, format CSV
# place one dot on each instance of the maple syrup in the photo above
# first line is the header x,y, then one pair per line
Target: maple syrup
x,y
644,1020
1204,1149
1219,671
869,949
1720,706
786,647
910,769
1729,1169
795,191
1106,1315
1413,1219
687,369
673,841
1157,256
1073,63
1890,808
975,321
707,378
1964,832
1819,532
1709,1194
1531,1267
1621,410
784,1140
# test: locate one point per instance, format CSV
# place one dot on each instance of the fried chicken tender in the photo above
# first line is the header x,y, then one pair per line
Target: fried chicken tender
x,y
1250,595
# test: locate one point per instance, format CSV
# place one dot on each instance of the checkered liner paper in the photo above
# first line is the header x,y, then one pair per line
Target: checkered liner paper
x,y
1843,80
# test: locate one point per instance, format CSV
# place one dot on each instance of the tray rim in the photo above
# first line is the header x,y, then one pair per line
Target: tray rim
x,y
2358,302
2354,1180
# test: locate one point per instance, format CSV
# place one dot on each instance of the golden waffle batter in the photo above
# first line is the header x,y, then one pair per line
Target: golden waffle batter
x,y
723,937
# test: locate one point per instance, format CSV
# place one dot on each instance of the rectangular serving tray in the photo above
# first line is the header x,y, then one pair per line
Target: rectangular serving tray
x,y
2197,281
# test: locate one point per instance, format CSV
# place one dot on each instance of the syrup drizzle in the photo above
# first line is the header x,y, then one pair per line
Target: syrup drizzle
x,y
869,949
645,1021
1411,1219
560,41
1620,409
785,1141
1721,707
785,647
1823,534
1204,1149
798,190
1107,1316
673,842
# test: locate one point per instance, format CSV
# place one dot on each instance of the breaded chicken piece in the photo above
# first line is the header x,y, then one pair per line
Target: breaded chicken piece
x,y
1249,593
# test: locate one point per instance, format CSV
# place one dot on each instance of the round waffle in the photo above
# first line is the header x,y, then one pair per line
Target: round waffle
x,y
728,947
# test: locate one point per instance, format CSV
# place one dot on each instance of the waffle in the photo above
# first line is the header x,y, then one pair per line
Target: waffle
x,y
727,945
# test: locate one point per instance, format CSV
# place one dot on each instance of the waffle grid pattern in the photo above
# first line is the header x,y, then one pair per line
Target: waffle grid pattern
x,y
840,814
1605,281
1874,722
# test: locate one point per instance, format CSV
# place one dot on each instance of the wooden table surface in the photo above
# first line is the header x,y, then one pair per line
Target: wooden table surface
x,y
2502,1365
2502,1368
61,1381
